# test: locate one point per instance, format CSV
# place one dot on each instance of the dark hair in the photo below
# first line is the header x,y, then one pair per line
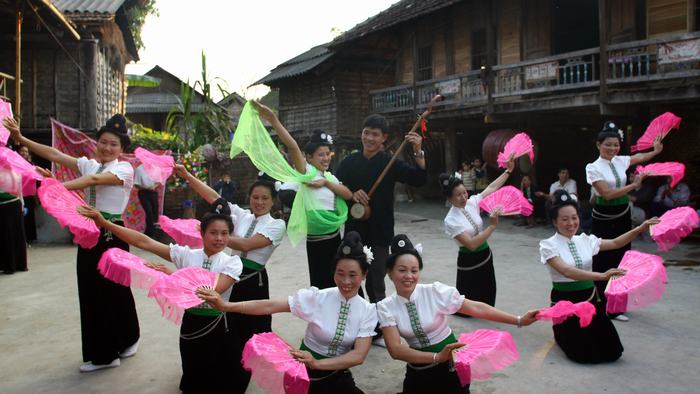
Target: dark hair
x,y
448,183
351,248
560,199
218,210
563,169
116,125
467,163
401,245
610,130
318,139
264,183
376,121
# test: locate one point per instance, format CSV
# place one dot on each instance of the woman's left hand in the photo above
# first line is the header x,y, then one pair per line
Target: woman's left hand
x,y
529,317
211,297
44,172
416,140
304,357
658,145
317,183
92,213
159,267
511,163
650,222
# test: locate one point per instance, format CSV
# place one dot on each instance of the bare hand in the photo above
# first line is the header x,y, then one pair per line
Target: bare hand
x,y
44,172
92,213
658,145
304,357
446,352
650,222
264,111
511,163
159,267
613,272
416,140
493,219
361,197
638,179
181,171
529,317
539,194
317,183
12,126
211,297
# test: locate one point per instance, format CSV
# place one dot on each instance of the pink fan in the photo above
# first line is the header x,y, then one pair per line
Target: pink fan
x,y
508,200
13,160
562,310
673,169
5,112
267,356
519,145
177,292
62,204
158,167
660,126
28,187
643,284
674,225
124,268
485,352
10,181
184,231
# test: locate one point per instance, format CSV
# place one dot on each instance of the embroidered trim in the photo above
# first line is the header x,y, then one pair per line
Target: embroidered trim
x,y
416,326
574,253
471,221
339,329
618,181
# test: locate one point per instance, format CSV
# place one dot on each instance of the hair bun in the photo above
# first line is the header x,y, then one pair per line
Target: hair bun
x,y
401,243
448,183
351,245
220,207
561,197
321,137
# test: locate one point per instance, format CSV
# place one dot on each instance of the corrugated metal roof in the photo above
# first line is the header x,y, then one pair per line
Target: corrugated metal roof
x,y
89,6
298,65
399,12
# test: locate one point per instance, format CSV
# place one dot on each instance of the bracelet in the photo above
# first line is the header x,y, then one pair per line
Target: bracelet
x,y
519,322
435,358
508,172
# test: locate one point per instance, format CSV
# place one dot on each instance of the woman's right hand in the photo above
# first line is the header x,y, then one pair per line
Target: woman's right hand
x,y
92,213
637,181
12,126
264,111
181,171
493,219
446,352
159,267
211,297
613,272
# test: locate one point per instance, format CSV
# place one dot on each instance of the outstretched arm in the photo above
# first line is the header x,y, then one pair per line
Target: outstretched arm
x,y
132,237
610,193
401,351
624,239
207,193
487,312
298,159
255,307
105,178
51,154
354,357
646,156
501,180
578,274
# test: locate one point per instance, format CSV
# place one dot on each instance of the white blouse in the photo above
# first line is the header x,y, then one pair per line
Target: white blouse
x,y
267,226
586,246
111,199
456,221
600,170
221,263
432,303
323,197
334,322
142,180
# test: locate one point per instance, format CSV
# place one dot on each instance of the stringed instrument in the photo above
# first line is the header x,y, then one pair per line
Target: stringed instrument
x,y
361,211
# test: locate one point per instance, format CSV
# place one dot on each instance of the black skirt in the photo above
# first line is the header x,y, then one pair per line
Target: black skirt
x,y
320,255
243,327
208,353
438,379
30,219
12,241
596,343
108,319
476,278
610,229
332,382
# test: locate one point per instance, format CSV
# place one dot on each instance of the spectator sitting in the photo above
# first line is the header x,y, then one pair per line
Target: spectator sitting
x,y
669,198
468,177
530,194
564,183
482,181
226,188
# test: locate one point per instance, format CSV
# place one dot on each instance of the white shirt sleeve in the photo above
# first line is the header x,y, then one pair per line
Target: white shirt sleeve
x,y
304,303
233,268
571,187
454,226
593,174
547,250
86,165
178,255
624,161
125,172
384,315
448,298
593,242
274,231
369,322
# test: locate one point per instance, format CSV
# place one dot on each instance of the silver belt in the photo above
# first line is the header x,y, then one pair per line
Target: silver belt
x,y
9,201
324,237
486,260
602,216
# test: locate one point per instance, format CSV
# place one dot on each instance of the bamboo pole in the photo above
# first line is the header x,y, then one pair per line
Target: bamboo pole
x,y
18,66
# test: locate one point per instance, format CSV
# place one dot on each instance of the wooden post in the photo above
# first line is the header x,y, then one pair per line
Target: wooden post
x,y
490,60
415,70
603,65
451,150
18,66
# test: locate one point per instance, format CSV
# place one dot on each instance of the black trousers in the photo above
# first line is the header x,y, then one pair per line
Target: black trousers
x,y
438,379
149,202
332,382
320,255
108,319
476,278
30,219
12,241
610,229
243,327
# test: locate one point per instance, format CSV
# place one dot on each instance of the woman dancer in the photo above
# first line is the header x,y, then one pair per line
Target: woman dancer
x,y
108,320
208,353
324,198
611,212
418,314
341,323
569,257
256,234
476,278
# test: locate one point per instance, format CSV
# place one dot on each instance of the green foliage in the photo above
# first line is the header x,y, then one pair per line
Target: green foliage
x,y
136,12
151,139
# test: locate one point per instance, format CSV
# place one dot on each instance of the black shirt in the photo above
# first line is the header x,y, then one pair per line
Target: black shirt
x,y
357,172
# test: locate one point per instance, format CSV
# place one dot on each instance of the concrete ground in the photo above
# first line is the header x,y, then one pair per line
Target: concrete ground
x,y
40,327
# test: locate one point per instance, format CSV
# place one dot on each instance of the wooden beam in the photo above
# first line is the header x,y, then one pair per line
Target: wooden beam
x,y
18,65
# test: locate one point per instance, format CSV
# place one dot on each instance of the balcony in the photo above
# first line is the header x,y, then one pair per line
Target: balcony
x,y
629,63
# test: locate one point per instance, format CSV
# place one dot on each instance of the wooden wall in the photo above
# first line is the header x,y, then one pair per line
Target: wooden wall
x,y
308,102
666,16
508,32
352,87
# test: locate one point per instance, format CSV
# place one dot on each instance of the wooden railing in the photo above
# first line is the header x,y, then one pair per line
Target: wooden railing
x,y
3,85
630,62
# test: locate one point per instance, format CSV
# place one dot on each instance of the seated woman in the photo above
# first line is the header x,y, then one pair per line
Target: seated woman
x,y
341,323
418,313
569,258
207,352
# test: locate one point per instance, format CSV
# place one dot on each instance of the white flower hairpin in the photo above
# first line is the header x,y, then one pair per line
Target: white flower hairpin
x,y
622,135
326,137
278,186
457,175
368,253
419,249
